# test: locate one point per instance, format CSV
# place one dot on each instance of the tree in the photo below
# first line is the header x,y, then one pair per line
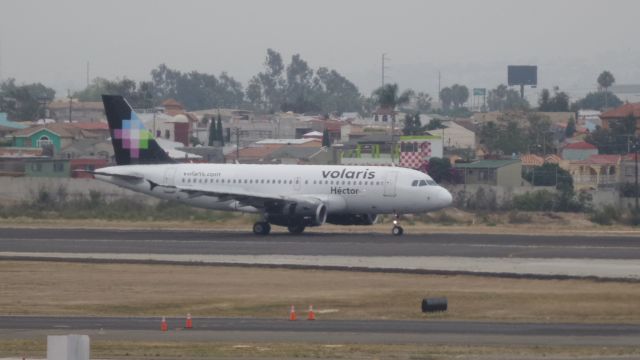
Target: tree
x,y
605,80
439,169
435,124
326,141
597,101
197,90
540,136
446,97
213,133
571,128
502,99
387,96
24,102
489,133
459,95
219,130
423,102
558,103
412,125
616,139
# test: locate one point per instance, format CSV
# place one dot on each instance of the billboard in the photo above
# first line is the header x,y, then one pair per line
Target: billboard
x,y
522,75
479,92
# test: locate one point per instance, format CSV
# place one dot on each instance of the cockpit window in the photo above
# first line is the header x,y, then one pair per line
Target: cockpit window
x,y
431,182
423,182
415,182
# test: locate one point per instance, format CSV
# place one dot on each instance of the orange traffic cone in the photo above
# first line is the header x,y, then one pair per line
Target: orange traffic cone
x,y
189,324
312,315
163,324
292,313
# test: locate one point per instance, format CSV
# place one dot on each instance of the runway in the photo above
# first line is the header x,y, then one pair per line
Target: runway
x,y
423,331
610,257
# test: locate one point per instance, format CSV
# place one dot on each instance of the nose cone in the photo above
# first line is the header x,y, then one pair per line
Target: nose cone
x,y
443,198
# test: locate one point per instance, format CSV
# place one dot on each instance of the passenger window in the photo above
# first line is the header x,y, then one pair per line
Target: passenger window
x,y
306,182
279,181
290,181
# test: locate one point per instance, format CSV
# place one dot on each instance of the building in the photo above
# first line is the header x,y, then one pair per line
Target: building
x,y
596,171
416,150
8,127
56,135
76,111
628,168
578,151
492,172
622,113
457,136
47,168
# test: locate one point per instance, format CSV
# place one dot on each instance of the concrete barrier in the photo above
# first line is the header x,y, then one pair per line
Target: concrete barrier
x,y
68,347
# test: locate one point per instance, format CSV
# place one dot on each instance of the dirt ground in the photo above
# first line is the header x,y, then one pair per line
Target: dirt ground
x,y
53,288
199,350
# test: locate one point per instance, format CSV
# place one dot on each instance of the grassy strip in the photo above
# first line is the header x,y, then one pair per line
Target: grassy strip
x,y
200,350
47,288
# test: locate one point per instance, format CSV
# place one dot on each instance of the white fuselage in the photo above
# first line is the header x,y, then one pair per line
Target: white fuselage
x,y
343,189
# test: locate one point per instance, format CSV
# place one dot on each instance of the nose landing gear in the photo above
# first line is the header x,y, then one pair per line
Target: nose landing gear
x,y
397,230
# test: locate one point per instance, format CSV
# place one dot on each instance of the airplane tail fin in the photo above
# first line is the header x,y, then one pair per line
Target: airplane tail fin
x,y
132,143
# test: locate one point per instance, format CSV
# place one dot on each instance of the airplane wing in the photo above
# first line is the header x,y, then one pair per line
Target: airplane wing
x,y
258,200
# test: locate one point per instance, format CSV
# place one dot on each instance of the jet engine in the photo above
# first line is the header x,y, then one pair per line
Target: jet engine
x,y
352,219
307,212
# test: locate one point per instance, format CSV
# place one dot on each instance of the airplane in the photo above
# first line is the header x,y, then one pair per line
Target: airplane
x,y
292,196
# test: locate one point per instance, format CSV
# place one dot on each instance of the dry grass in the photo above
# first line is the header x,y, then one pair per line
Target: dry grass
x,y
49,288
199,350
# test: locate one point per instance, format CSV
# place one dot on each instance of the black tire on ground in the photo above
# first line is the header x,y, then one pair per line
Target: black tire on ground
x,y
434,304
397,230
296,229
261,228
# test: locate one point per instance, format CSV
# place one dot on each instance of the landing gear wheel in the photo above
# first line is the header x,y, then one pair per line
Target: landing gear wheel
x,y
296,229
261,228
397,230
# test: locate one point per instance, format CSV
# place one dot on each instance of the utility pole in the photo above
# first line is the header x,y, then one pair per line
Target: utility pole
x,y
439,80
87,74
636,145
70,103
384,57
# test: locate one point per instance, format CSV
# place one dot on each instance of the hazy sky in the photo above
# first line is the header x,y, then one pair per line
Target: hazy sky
x,y
470,42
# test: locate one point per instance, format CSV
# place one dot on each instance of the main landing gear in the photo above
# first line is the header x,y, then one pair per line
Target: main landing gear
x,y
397,230
296,228
261,228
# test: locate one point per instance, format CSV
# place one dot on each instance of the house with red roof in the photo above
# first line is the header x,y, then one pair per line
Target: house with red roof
x,y
621,113
578,151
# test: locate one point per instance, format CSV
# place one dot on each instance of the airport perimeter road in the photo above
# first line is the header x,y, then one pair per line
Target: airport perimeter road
x,y
375,331
317,244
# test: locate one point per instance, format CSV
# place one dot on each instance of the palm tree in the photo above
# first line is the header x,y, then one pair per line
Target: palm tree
x,y
605,80
387,96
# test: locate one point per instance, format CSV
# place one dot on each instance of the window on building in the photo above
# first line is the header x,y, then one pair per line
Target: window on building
x,y
167,134
44,141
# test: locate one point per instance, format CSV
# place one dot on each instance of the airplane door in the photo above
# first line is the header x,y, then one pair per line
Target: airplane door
x,y
390,183
297,184
169,179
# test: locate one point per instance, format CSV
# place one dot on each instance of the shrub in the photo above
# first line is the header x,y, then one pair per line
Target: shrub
x,y
541,200
605,216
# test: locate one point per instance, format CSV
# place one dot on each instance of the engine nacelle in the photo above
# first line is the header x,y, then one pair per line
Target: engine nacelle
x,y
352,219
309,213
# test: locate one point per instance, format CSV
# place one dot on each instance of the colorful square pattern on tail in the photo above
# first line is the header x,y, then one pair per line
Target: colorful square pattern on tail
x,y
133,135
